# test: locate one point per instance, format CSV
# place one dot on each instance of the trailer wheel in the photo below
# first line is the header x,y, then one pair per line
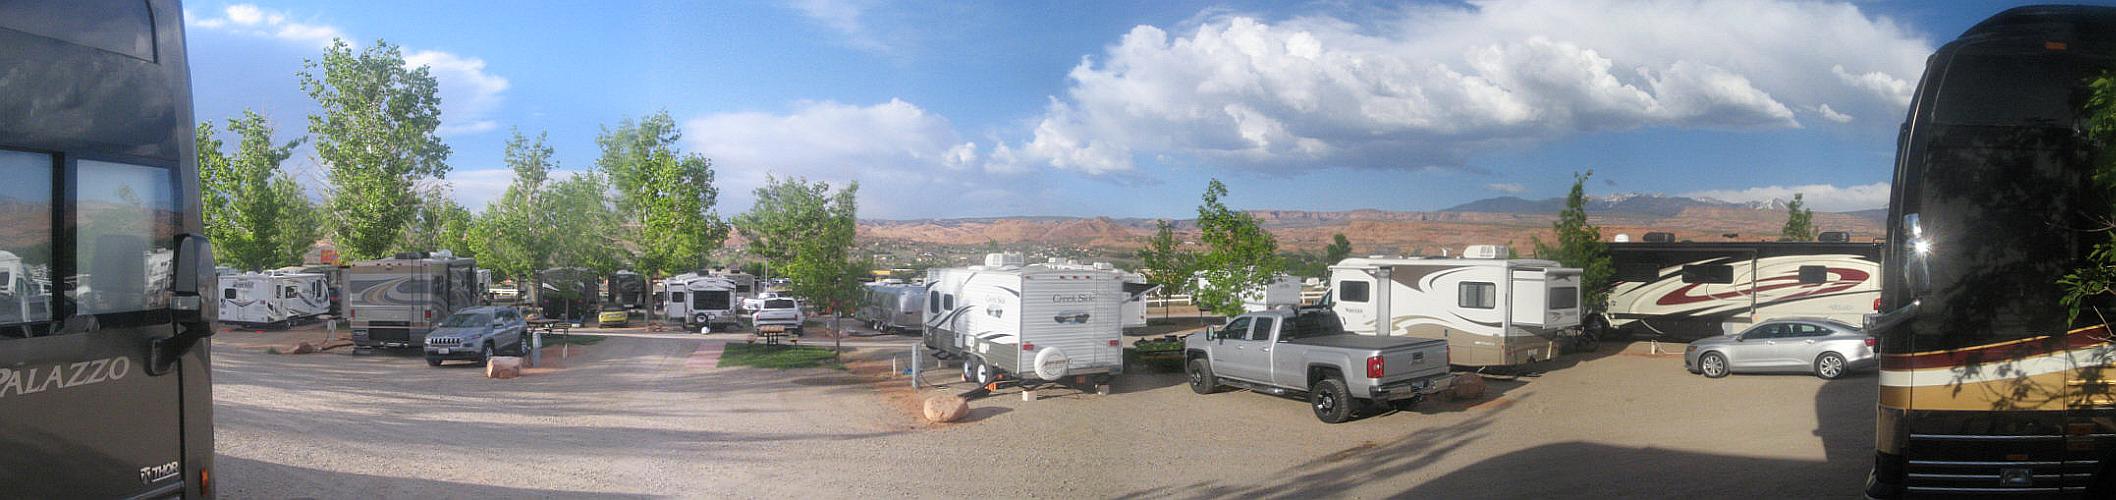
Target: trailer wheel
x,y
986,374
1201,379
1332,401
969,370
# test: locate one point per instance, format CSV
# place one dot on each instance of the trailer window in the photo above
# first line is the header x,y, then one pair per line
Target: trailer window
x,y
1564,297
933,302
947,301
1814,274
1352,291
1637,272
1719,274
228,294
125,242
1477,295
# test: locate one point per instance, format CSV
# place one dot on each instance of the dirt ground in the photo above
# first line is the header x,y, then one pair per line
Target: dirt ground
x,y
646,414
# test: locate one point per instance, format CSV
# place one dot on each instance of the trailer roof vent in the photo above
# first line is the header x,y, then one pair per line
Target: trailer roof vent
x,y
1004,260
1660,237
1484,252
1834,237
1621,238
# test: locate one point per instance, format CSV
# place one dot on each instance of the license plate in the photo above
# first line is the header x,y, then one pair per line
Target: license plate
x,y
444,350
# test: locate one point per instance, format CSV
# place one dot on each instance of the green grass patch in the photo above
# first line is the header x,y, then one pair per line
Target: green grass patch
x,y
780,356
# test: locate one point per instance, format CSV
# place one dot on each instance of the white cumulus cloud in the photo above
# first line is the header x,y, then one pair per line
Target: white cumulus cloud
x,y
1820,197
1427,86
1506,187
1832,114
249,19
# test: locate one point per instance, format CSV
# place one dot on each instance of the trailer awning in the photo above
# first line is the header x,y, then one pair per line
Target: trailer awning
x,y
1136,290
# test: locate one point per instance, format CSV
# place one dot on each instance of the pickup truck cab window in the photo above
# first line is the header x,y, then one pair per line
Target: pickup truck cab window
x,y
1234,329
1261,331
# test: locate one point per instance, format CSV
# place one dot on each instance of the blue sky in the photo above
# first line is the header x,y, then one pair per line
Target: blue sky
x,y
1126,108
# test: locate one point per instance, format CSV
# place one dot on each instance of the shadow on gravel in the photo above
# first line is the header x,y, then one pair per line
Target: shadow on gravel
x,y
232,477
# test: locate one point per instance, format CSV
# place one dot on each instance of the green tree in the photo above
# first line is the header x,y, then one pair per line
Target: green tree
x,y
668,195
1579,245
253,209
438,224
515,234
376,135
2093,281
1239,254
1164,262
1340,248
586,224
805,231
1799,221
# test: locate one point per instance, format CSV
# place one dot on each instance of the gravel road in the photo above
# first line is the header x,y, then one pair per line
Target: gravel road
x,y
634,416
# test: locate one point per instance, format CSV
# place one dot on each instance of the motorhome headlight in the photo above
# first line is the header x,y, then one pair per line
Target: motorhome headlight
x,y
1921,246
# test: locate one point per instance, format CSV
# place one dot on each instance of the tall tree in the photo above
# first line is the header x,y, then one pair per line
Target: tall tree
x,y
250,200
439,223
1164,262
1799,221
1239,254
1340,248
515,234
805,232
1579,245
585,224
668,195
376,135
2093,281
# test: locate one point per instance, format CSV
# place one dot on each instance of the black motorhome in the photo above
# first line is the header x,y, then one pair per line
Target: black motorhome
x,y
105,389
1988,384
628,290
569,293
1686,290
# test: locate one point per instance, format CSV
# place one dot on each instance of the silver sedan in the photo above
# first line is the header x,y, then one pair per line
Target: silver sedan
x,y
1823,347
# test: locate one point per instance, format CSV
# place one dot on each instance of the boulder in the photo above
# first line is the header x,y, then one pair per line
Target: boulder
x,y
504,367
1468,386
946,408
304,348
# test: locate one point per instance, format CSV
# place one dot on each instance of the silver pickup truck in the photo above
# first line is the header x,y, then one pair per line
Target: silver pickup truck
x,y
1293,352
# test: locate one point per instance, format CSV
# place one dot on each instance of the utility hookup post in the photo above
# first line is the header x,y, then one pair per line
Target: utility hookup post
x,y
915,361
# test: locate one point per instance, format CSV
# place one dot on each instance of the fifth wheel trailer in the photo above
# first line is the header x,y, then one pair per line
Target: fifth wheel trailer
x,y
274,298
1491,311
1697,290
1031,322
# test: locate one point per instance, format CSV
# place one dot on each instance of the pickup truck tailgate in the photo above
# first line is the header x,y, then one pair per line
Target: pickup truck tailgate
x,y
1405,358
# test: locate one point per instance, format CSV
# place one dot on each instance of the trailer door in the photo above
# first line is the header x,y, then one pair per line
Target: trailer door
x,y
1527,305
79,416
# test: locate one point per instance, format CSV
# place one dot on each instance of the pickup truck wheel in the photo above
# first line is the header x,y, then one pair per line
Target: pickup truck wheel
x,y
1332,401
1201,379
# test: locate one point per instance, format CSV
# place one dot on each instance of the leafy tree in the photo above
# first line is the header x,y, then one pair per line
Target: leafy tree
x,y
515,234
1164,262
1799,221
254,212
805,232
2094,279
301,223
438,224
585,223
1579,244
1340,248
1239,254
669,195
376,135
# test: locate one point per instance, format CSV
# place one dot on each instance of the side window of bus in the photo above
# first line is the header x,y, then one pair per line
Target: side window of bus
x,y
128,224
25,244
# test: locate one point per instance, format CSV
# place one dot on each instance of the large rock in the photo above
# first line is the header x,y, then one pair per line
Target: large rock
x,y
1468,386
304,348
504,367
946,408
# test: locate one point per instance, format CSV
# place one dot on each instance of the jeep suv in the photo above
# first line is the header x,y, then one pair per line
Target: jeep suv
x,y
477,334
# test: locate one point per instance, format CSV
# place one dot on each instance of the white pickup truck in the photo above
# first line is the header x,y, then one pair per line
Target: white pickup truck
x,y
780,312
1307,352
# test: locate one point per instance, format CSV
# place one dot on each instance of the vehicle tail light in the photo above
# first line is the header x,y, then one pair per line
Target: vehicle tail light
x,y
1113,343
1376,367
1870,341
429,314
1028,346
1877,304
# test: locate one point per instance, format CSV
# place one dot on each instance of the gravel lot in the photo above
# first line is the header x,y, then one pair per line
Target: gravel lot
x,y
636,415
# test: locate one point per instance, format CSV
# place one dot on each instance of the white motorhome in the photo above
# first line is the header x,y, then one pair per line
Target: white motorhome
x,y
700,300
1694,290
1031,322
273,298
1492,311
394,302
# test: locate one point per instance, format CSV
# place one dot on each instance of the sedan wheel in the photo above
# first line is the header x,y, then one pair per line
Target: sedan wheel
x,y
1714,365
1829,366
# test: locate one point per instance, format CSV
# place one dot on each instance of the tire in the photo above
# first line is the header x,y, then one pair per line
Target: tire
x,y
1830,366
1713,365
986,374
433,361
1331,401
1202,380
485,355
969,369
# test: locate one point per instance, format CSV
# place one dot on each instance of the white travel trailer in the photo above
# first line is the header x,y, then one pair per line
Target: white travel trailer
x,y
1492,311
26,297
1135,286
700,301
1283,291
1030,322
892,307
274,298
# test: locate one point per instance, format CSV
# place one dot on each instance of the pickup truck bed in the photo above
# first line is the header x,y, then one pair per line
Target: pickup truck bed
x,y
1355,341
1337,370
